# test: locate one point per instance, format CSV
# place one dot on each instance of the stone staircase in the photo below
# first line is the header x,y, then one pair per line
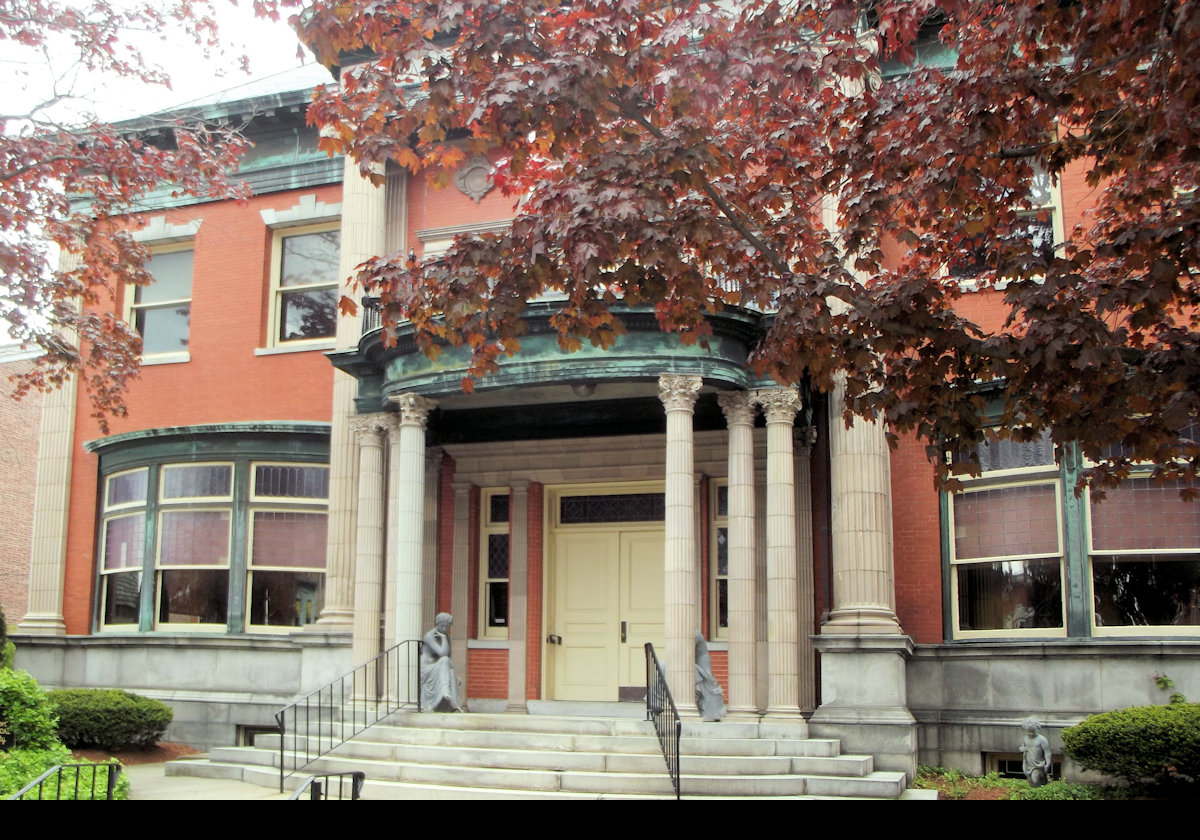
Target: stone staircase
x,y
536,756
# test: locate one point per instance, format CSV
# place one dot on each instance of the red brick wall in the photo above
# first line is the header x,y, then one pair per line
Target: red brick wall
x,y
720,667
224,381
533,614
916,538
487,673
19,425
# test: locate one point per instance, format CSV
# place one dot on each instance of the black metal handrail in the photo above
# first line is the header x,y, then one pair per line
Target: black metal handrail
x,y
335,713
326,786
53,790
661,711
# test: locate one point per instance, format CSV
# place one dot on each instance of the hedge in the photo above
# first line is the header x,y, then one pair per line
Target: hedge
x,y
1138,744
26,719
108,718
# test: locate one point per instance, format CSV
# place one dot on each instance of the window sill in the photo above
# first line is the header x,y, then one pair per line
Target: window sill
x,y
166,359
296,347
487,644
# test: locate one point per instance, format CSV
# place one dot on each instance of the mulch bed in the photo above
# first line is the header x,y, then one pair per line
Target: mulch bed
x,y
160,752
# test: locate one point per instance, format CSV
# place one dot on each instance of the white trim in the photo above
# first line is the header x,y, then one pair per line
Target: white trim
x,y
306,211
297,347
451,231
158,231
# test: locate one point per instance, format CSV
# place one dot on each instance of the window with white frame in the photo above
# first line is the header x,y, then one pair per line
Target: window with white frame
x,y
1145,559
494,563
161,312
719,561
1027,557
304,283
1006,546
220,546
1042,221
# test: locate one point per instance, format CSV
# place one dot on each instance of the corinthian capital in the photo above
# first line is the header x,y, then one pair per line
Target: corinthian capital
x,y
779,404
414,409
738,407
678,392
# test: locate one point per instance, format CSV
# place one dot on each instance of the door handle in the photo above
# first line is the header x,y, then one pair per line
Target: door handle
x,y
624,631
554,639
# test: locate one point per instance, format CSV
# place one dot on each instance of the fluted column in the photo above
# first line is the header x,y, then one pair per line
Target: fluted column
x,y
362,237
51,506
518,556
780,406
409,508
369,541
393,534
678,394
864,597
739,410
806,662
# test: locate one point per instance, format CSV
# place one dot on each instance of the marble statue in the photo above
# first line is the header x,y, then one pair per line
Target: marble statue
x,y
1035,749
709,699
439,683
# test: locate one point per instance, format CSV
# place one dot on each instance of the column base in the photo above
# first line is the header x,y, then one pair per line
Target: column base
x,y
865,698
874,621
783,713
42,625
333,621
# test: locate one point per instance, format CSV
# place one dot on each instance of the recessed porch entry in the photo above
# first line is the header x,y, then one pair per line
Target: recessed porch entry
x,y
605,590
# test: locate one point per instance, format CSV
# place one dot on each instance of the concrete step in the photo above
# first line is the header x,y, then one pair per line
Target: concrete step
x,y
489,756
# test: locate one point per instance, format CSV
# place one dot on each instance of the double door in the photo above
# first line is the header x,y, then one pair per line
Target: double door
x,y
607,602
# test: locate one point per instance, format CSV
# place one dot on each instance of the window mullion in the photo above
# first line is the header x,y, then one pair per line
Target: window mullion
x,y
1075,560
239,536
149,594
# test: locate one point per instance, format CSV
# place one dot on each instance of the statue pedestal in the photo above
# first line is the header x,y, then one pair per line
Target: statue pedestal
x,y
864,698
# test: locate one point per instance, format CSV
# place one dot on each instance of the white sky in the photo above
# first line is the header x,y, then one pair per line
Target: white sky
x,y
270,46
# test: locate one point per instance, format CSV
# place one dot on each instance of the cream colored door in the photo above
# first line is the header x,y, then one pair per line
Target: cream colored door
x,y
641,604
585,624
608,602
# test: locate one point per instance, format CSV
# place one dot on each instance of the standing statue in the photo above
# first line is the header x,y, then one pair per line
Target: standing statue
x,y
439,684
1036,752
709,699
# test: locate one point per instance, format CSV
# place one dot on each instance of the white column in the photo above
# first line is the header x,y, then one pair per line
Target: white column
x,y
518,548
410,515
362,237
678,394
780,406
393,536
864,597
51,507
739,410
368,580
433,491
806,663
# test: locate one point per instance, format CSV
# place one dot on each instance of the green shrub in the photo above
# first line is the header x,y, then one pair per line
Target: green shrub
x,y
25,713
20,767
7,654
1143,743
108,718
1056,790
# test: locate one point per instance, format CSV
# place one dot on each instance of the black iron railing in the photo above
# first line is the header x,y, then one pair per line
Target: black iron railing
x,y
73,781
333,714
661,711
331,786
372,314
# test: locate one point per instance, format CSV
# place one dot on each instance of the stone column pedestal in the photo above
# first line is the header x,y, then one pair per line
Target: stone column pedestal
x,y
864,699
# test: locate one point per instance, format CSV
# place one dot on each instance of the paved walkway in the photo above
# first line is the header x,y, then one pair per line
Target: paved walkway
x,y
150,781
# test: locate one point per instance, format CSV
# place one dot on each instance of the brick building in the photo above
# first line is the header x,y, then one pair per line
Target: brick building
x,y
263,519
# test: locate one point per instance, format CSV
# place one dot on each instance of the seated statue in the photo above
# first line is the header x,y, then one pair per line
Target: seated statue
x,y
439,683
709,700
